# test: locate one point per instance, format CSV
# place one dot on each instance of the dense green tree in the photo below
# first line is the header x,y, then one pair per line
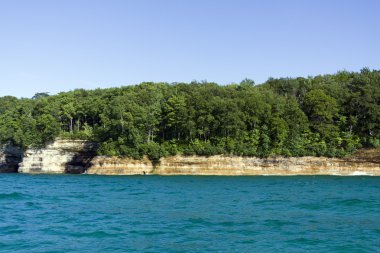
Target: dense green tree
x,y
40,95
330,115
322,111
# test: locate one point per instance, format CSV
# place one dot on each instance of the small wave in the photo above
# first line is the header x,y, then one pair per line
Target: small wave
x,y
150,233
199,221
306,241
227,223
120,189
9,230
94,234
353,202
13,195
279,223
137,193
311,206
32,204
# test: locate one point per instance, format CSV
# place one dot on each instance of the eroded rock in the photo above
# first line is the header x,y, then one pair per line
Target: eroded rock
x,y
10,157
61,156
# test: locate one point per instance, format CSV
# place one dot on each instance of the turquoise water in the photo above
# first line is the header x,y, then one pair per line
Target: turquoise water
x,y
83,213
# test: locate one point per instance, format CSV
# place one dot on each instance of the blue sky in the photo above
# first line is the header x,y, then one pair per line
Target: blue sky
x,y
53,46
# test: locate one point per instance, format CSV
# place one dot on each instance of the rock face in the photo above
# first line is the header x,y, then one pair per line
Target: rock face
x,y
235,166
120,166
10,157
67,156
61,156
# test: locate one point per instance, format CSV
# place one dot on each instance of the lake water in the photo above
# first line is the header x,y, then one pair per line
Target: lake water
x,y
84,213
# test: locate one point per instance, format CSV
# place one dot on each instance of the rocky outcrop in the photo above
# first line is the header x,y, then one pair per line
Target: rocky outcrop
x,y
61,156
121,166
68,156
10,157
235,166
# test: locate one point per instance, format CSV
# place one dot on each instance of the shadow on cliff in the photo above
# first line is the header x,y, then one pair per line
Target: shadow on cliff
x,y
155,163
10,158
81,161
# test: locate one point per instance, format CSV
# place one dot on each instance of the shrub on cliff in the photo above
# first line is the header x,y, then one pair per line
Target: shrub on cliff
x,y
153,150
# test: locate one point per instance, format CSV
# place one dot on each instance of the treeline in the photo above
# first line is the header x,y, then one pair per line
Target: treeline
x,y
327,115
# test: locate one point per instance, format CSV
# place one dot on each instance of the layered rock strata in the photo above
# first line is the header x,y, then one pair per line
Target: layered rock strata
x,y
61,156
68,156
235,166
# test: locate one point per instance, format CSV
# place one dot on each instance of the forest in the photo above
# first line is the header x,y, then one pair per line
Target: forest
x,y
324,115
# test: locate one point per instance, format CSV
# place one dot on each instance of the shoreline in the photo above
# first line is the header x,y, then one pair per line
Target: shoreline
x,y
77,157
235,166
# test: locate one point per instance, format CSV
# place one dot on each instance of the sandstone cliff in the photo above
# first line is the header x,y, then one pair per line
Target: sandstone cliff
x,y
66,156
61,156
234,166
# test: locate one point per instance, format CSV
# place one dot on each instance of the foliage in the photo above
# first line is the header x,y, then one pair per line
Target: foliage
x,y
330,115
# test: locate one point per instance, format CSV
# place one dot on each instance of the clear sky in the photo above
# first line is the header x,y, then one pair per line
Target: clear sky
x,y
60,45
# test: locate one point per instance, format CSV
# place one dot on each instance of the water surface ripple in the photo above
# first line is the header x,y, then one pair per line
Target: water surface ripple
x,y
83,213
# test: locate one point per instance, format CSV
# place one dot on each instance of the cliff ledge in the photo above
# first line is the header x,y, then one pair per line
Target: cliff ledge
x,y
67,156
